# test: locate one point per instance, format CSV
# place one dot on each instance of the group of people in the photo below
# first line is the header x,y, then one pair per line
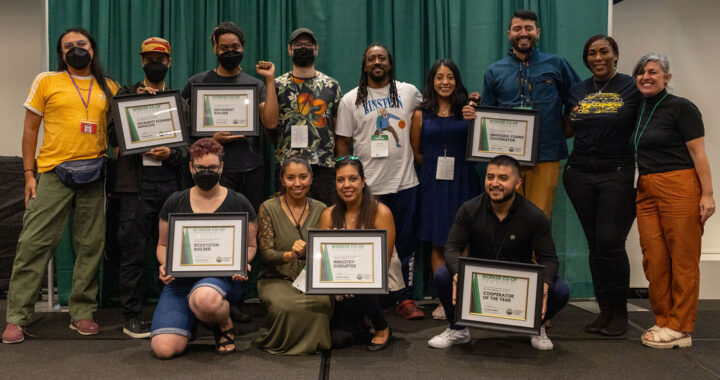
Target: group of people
x,y
349,162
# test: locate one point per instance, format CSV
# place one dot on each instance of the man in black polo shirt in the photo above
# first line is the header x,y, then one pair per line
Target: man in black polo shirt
x,y
143,182
499,225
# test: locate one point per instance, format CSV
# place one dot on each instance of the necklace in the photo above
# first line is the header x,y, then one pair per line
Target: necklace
x,y
297,221
603,87
444,111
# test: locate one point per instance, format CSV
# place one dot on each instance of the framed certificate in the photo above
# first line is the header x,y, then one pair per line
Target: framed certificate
x,y
347,262
144,121
509,131
499,295
207,245
224,108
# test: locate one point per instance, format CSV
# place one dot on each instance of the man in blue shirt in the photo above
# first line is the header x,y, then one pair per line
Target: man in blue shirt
x,y
528,78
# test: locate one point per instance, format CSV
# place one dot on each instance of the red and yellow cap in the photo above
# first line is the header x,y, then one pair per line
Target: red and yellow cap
x,y
155,45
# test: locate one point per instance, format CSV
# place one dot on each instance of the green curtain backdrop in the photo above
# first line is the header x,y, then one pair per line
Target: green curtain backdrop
x,y
471,32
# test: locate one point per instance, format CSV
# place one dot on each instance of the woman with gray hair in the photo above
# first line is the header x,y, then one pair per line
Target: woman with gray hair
x,y
299,324
674,200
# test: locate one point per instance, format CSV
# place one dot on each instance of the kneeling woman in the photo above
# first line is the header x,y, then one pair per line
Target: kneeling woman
x,y
299,324
185,301
358,209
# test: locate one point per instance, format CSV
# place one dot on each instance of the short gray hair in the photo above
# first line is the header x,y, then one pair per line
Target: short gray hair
x,y
652,57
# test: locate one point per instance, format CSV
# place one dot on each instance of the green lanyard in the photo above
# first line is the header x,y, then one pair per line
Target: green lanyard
x,y
637,138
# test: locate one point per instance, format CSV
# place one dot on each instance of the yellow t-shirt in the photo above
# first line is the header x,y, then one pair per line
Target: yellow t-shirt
x,y
54,97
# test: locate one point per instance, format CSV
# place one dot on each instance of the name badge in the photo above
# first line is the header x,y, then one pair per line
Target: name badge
x,y
87,126
301,281
298,136
379,146
149,161
445,168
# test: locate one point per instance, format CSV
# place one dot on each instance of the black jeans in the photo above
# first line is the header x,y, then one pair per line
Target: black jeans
x,y
249,183
137,235
605,204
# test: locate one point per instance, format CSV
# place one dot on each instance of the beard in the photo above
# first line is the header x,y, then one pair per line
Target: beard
x,y
378,78
506,197
516,45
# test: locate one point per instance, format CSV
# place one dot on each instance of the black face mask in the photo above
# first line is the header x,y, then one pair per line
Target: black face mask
x,y
206,179
78,58
229,60
303,57
155,71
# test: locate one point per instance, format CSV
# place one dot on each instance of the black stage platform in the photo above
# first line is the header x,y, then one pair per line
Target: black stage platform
x,y
58,352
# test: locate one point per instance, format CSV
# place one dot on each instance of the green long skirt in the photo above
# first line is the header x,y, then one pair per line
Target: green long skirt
x,y
299,324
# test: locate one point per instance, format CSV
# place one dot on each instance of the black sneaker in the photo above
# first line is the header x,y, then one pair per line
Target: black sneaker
x,y
136,328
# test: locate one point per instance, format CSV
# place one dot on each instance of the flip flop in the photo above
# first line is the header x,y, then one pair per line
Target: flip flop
x,y
664,337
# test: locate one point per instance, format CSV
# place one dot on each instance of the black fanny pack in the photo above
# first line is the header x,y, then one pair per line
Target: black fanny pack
x,y
80,172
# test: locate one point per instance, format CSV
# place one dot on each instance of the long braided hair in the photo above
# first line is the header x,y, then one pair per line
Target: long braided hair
x,y
362,92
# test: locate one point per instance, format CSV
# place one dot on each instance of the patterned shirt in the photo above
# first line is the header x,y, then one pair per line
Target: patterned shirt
x,y
312,102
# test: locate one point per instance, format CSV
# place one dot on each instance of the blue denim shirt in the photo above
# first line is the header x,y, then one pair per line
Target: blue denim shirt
x,y
542,82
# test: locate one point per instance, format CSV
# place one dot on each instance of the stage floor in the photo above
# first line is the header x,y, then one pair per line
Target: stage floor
x,y
58,352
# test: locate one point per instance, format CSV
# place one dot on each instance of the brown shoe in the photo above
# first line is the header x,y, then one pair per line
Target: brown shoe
x,y
14,334
85,326
409,310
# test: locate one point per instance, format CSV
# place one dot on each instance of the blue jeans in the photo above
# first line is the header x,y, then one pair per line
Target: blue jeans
x,y
173,315
557,296
402,205
605,204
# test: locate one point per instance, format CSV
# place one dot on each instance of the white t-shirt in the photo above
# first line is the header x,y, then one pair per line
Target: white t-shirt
x,y
384,175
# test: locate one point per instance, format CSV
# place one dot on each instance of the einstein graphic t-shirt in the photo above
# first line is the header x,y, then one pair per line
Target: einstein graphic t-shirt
x,y
378,120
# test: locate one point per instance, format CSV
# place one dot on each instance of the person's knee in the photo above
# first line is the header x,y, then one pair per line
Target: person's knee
x,y
167,346
205,300
560,292
442,275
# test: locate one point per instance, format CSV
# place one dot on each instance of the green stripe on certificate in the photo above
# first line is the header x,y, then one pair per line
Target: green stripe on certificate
x,y
325,268
476,304
187,257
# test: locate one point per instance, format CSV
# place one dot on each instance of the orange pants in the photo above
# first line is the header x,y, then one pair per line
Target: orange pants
x,y
668,216
539,184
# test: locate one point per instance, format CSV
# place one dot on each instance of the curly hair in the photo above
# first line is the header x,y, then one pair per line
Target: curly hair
x,y
204,147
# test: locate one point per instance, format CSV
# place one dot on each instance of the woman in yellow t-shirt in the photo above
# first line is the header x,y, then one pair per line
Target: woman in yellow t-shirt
x,y
71,103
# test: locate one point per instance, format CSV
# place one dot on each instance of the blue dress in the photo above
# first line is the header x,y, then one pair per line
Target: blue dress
x,y
440,199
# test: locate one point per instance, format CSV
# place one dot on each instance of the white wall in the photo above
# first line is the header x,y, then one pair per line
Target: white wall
x,y
22,36
686,31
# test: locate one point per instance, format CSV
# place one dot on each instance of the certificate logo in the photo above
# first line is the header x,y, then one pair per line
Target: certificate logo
x,y
359,276
218,259
509,311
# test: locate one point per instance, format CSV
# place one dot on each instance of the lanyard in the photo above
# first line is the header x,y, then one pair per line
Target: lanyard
x,y
637,138
86,104
523,69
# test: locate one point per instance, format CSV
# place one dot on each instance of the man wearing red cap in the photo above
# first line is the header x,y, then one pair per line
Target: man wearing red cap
x,y
143,182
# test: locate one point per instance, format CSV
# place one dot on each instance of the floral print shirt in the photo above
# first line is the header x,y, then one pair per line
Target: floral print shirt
x,y
312,102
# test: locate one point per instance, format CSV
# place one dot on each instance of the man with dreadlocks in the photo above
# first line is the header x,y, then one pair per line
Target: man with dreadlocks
x,y
379,106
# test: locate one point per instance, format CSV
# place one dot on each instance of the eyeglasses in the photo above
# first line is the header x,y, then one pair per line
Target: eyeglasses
x,y
211,168
353,158
299,45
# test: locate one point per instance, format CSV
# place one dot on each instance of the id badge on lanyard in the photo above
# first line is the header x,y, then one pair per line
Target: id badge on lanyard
x,y
445,168
298,136
379,146
86,125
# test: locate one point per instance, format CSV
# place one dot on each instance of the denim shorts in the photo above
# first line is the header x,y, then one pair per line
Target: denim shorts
x,y
173,315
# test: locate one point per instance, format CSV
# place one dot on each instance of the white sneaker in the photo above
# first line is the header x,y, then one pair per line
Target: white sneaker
x,y
439,313
450,337
541,342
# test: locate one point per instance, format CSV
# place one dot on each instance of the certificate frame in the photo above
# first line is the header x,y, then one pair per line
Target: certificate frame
x,y
132,141
199,121
320,274
479,278
179,241
485,142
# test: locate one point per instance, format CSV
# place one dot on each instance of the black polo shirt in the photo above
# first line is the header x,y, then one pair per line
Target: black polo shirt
x,y
525,229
